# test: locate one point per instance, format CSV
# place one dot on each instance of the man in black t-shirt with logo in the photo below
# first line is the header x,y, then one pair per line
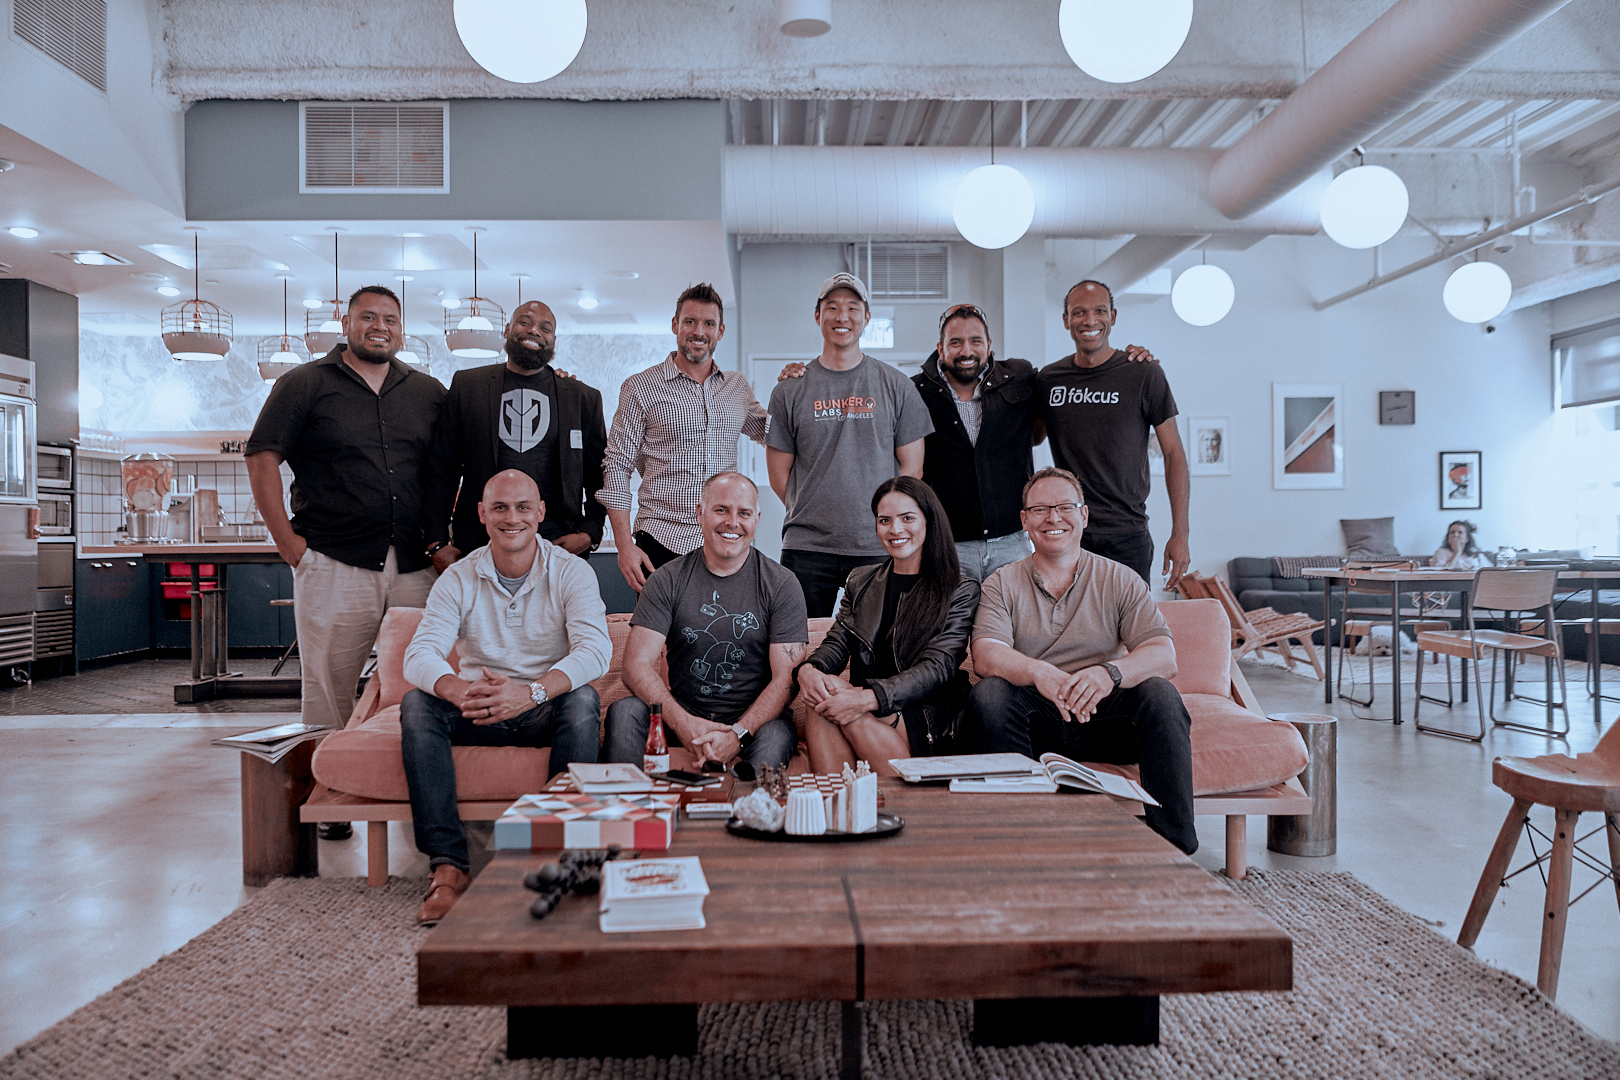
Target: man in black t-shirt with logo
x,y
1098,410
519,415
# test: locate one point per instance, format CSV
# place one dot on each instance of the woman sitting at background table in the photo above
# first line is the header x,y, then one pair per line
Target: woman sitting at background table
x,y
1459,552
903,628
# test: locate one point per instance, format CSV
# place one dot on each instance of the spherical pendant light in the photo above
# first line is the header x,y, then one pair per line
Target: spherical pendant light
x,y
1364,206
804,18
1202,295
1122,43
1477,292
521,41
994,206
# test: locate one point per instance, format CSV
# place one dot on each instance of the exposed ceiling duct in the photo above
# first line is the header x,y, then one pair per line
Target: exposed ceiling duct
x,y
1139,257
901,192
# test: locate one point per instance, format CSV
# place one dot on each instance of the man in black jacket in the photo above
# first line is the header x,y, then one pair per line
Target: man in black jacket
x,y
517,415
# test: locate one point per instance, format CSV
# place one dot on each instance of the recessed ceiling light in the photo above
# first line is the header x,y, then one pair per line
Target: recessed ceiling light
x,y
588,302
313,304
168,290
23,231
94,258
450,303
147,275
624,275
413,234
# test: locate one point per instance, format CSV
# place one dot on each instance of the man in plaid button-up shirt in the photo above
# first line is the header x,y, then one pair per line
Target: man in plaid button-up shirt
x,y
677,424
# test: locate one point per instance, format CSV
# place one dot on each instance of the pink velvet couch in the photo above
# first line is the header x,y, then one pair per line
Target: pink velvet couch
x,y
1242,763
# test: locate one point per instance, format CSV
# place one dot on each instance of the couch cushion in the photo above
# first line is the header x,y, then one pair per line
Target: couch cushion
x,y
1233,749
1369,538
1203,635
398,627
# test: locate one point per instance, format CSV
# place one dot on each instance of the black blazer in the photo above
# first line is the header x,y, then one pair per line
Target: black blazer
x,y
466,446
981,485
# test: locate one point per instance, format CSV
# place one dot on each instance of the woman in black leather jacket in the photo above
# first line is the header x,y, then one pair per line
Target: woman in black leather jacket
x,y
903,629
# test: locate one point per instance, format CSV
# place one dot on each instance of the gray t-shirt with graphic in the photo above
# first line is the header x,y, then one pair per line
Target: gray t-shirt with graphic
x,y
719,630
843,428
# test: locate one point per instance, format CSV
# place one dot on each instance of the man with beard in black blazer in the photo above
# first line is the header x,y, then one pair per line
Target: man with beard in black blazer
x,y
518,415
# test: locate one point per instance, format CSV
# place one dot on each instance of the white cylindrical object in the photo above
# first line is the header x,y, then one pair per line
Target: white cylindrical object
x,y
805,814
804,18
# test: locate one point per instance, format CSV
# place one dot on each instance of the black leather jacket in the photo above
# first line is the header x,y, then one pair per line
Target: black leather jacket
x,y
926,679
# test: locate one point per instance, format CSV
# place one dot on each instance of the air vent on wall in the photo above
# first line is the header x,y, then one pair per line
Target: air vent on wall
x,y
373,148
71,32
904,271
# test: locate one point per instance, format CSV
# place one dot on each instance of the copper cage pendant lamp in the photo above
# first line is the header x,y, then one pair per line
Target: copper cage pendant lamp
x,y
279,355
196,329
323,327
475,328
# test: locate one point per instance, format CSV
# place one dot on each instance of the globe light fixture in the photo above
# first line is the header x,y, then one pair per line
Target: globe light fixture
x,y
473,328
196,330
323,323
521,41
1477,292
1122,43
279,355
994,206
804,18
1364,206
1202,295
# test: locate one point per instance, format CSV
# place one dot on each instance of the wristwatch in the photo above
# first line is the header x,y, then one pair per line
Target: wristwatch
x,y
538,693
744,736
1113,673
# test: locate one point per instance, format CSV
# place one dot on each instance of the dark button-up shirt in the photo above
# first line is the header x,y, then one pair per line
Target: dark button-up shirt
x,y
357,457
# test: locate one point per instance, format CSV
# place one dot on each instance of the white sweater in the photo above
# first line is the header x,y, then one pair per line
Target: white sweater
x,y
556,620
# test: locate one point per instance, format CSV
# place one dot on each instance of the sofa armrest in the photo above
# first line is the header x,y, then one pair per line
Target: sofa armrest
x,y
366,707
1243,695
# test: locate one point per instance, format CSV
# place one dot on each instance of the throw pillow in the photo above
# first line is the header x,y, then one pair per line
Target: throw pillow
x,y
1369,538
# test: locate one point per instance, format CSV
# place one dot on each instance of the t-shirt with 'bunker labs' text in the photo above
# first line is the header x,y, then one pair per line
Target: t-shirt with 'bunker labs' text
x,y
843,428
1098,420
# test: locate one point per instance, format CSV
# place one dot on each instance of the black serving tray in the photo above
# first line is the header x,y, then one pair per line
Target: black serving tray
x,y
887,825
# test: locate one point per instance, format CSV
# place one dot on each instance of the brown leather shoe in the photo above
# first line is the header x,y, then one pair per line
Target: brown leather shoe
x,y
444,889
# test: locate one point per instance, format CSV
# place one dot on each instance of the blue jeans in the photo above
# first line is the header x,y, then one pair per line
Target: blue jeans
x,y
981,558
627,721
1146,724
430,726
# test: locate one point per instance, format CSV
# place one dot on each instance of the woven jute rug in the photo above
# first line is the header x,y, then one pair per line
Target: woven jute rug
x,y
316,978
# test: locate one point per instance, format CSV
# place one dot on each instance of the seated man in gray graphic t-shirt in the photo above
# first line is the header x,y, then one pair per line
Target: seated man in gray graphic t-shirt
x,y
734,626
849,424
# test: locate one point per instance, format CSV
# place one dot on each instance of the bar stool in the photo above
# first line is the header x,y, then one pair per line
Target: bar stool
x,y
292,649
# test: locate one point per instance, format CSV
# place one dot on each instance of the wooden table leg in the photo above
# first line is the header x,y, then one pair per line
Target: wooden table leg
x,y
601,1031
274,842
1082,1021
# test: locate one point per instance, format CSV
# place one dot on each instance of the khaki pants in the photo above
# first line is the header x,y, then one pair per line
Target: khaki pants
x,y
337,609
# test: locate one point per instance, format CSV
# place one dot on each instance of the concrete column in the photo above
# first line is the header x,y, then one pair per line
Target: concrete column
x,y
1023,300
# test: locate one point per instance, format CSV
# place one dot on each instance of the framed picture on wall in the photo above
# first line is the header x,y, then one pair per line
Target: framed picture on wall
x,y
1207,449
1307,440
1460,479
1155,454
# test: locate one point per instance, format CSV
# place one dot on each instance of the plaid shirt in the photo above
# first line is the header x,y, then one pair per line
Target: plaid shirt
x,y
677,433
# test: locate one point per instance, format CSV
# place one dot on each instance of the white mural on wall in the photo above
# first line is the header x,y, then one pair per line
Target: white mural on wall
x,y
131,384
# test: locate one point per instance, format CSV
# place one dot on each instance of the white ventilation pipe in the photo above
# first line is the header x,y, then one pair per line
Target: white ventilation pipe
x,y
809,191
1399,61
1139,257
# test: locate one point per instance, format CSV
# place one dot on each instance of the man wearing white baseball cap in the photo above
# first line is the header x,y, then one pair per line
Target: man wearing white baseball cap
x,y
849,424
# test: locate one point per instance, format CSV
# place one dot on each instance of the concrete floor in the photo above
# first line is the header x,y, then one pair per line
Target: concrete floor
x,y
125,843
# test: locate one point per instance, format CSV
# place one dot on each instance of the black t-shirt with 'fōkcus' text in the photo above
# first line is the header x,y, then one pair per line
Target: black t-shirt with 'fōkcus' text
x,y
1098,420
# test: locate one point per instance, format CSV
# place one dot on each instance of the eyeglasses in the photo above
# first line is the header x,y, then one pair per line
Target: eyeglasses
x,y
960,310
1067,509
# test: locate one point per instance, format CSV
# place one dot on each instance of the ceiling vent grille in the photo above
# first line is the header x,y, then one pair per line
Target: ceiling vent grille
x,y
71,32
372,148
904,271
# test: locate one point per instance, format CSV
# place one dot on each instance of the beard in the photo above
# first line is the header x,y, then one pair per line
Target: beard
x,y
697,354
527,359
957,368
370,355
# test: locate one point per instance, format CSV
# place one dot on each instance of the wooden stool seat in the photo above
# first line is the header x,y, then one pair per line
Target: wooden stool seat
x,y
1584,783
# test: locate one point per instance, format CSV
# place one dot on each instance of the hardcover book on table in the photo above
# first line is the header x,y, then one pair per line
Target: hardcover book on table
x,y
653,894
555,820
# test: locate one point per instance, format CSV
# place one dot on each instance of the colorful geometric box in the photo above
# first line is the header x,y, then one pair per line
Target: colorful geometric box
x,y
557,820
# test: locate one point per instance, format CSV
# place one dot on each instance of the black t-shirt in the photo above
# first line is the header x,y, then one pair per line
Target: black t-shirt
x,y
1098,420
357,457
885,664
719,630
527,431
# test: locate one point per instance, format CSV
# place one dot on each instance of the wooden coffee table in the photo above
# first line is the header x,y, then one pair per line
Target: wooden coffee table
x,y
1035,906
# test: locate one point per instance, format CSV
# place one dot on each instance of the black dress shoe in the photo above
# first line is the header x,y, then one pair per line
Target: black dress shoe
x,y
334,830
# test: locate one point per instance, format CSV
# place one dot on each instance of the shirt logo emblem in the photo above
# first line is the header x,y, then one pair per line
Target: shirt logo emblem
x,y
525,419
1078,395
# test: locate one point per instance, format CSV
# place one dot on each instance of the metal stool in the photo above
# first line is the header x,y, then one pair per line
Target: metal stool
x,y
291,649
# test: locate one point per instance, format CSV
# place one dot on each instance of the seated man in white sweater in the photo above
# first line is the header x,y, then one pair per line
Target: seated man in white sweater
x,y
533,634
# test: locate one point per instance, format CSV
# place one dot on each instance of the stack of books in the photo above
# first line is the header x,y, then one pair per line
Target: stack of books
x,y
653,894
272,743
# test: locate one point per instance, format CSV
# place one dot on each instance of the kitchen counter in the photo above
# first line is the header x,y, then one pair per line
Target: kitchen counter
x,y
186,552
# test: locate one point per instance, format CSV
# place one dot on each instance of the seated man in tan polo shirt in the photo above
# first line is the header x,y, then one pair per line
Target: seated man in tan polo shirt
x,y
1074,657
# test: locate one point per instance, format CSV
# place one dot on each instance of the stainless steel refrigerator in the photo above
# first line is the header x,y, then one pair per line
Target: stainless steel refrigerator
x,y
19,515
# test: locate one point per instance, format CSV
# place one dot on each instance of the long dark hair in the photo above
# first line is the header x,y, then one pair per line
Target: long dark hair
x,y
920,618
1468,545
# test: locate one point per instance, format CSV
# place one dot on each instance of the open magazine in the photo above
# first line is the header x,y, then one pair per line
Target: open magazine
x,y
273,743
1058,771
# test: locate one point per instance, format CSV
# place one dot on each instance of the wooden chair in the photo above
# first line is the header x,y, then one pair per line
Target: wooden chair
x,y
1508,591
1262,628
1571,786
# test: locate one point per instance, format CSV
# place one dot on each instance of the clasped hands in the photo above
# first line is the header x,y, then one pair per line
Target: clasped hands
x,y
834,697
491,698
1076,695
709,740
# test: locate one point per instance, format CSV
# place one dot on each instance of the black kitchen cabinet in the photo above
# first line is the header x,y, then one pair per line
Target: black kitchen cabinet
x,y
111,602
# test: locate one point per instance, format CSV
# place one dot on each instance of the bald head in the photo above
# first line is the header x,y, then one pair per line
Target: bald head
x,y
510,485
531,337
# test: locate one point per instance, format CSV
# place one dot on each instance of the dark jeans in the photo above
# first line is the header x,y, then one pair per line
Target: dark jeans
x,y
821,576
430,726
627,736
1144,725
1135,550
658,553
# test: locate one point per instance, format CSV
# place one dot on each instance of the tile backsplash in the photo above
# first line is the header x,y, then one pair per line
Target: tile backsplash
x,y
101,509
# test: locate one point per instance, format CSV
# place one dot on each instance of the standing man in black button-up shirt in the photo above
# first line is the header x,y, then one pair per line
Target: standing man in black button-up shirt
x,y
355,427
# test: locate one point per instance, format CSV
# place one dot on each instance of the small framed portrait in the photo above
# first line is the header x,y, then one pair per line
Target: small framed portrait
x,y
1460,479
1208,453
1155,454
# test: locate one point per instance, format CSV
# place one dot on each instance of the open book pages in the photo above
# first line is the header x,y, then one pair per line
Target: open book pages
x,y
1069,773
653,894
602,779
272,743
951,766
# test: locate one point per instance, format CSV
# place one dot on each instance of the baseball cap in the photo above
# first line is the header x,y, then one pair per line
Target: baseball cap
x,y
844,281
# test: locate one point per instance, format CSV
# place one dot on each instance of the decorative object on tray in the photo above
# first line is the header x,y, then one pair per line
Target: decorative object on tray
x,y
1307,440
653,894
639,820
1460,486
806,814
577,871
273,743
825,806
887,825
760,811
